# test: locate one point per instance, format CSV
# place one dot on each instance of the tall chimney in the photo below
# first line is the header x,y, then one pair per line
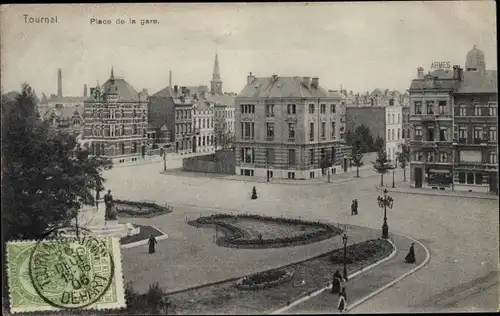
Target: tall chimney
x,y
59,82
85,90
170,79
420,73
250,78
315,82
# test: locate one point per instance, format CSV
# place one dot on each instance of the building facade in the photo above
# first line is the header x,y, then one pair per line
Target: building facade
x,y
115,118
286,126
454,128
203,115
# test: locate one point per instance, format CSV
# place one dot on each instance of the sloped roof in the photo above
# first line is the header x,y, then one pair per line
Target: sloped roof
x,y
439,83
10,96
63,113
54,98
196,89
125,91
221,99
202,104
281,87
478,82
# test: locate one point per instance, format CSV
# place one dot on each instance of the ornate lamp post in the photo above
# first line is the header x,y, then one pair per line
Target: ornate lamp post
x,y
385,202
344,240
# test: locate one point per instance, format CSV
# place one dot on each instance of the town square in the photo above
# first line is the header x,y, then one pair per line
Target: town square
x,y
225,159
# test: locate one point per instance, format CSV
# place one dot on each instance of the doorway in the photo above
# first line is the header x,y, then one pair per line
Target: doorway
x,y
418,177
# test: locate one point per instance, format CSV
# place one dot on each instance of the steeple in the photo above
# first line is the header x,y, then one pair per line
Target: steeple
x,y
112,76
216,83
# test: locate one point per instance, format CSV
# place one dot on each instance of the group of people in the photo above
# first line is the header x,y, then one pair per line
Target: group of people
x,y
354,207
337,288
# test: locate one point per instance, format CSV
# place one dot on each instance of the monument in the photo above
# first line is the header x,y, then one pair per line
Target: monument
x,y
101,219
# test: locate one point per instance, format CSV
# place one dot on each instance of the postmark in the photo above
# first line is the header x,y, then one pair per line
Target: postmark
x,y
65,273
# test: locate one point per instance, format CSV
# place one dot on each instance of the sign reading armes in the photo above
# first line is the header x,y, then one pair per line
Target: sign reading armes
x,y
441,65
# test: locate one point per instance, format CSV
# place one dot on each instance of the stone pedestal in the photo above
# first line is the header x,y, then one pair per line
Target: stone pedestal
x,y
93,219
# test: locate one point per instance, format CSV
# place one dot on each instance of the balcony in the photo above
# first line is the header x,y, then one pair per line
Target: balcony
x,y
423,117
269,138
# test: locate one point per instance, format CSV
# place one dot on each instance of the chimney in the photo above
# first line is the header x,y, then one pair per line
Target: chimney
x,y
307,82
250,78
315,82
170,79
59,82
420,73
176,88
183,90
457,72
85,90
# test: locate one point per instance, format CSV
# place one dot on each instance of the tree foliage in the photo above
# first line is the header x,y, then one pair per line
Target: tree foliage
x,y
403,156
382,165
224,138
46,176
357,156
361,135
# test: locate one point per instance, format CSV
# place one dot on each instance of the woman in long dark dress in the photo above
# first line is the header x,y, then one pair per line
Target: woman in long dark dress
x,y
410,257
342,305
336,282
152,242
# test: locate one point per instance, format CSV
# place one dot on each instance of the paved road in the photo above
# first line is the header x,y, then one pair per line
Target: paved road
x,y
462,234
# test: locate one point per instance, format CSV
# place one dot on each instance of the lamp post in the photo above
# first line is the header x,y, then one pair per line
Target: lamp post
x,y
385,202
164,159
393,169
344,239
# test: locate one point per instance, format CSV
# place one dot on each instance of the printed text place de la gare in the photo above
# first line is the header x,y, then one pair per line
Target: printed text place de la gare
x,y
96,21
40,19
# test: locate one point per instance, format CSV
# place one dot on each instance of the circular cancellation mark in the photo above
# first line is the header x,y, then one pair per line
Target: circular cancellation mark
x,y
71,272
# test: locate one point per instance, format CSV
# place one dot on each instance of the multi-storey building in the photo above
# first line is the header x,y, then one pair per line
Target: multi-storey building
x,y
394,129
115,118
405,113
453,119
203,116
286,127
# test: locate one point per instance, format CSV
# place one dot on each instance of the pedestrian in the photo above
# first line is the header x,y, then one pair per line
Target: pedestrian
x,y
353,210
342,305
152,242
336,282
410,257
356,206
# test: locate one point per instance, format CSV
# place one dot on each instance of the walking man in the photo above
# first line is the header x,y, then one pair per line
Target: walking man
x,y
336,282
152,242
356,206
342,305
353,208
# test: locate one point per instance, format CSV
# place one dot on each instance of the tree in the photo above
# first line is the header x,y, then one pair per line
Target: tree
x,y
356,157
223,137
46,177
382,165
378,145
403,157
362,135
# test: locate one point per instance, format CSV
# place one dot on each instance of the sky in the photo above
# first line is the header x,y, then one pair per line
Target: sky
x,y
356,46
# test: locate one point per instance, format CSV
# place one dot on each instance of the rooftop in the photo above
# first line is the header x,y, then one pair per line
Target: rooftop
x,y
478,82
125,91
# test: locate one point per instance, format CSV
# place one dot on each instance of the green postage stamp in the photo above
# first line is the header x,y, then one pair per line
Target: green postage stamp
x,y
65,274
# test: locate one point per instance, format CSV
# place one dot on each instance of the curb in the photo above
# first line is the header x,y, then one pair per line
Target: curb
x,y
441,195
355,274
144,241
388,285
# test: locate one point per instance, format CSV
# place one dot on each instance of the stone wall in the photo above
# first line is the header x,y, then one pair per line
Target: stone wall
x,y
219,162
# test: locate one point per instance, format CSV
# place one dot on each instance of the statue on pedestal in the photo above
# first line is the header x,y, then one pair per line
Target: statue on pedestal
x,y
110,207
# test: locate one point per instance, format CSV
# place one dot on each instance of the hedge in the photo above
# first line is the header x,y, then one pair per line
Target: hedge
x,y
153,209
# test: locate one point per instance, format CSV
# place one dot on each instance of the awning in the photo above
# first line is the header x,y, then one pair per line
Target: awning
x,y
439,171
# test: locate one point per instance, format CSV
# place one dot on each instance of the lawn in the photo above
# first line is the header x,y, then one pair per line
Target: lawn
x,y
308,276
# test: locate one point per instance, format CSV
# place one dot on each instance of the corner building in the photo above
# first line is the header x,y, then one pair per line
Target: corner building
x,y
454,128
285,126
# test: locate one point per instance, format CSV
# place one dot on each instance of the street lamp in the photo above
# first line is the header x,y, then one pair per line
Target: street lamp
x,y
164,159
344,239
385,202
393,169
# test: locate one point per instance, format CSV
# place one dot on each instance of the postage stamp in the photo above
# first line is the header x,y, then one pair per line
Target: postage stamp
x,y
65,274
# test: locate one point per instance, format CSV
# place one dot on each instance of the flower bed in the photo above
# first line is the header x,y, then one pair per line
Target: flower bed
x,y
239,238
357,252
140,209
264,279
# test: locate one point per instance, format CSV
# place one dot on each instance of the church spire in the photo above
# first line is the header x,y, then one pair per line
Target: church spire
x,y
216,83
112,76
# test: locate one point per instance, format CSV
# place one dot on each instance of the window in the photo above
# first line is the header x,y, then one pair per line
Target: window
x,y
323,130
461,177
392,134
403,133
463,110
291,175
493,134
122,148
199,141
247,108
493,110
418,107
134,147
478,134
442,134
470,178
477,110
493,158
247,155
311,131
311,156
332,108
247,130
420,157
399,118
211,140
291,157
135,129
211,122
270,131
430,157
388,153
399,132
479,178
442,107
270,156
311,108
430,134
389,134
391,102
418,133
203,142
291,130
323,108
269,110
462,134
393,120
203,123
333,130
388,119
430,105
291,109
443,157
311,174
